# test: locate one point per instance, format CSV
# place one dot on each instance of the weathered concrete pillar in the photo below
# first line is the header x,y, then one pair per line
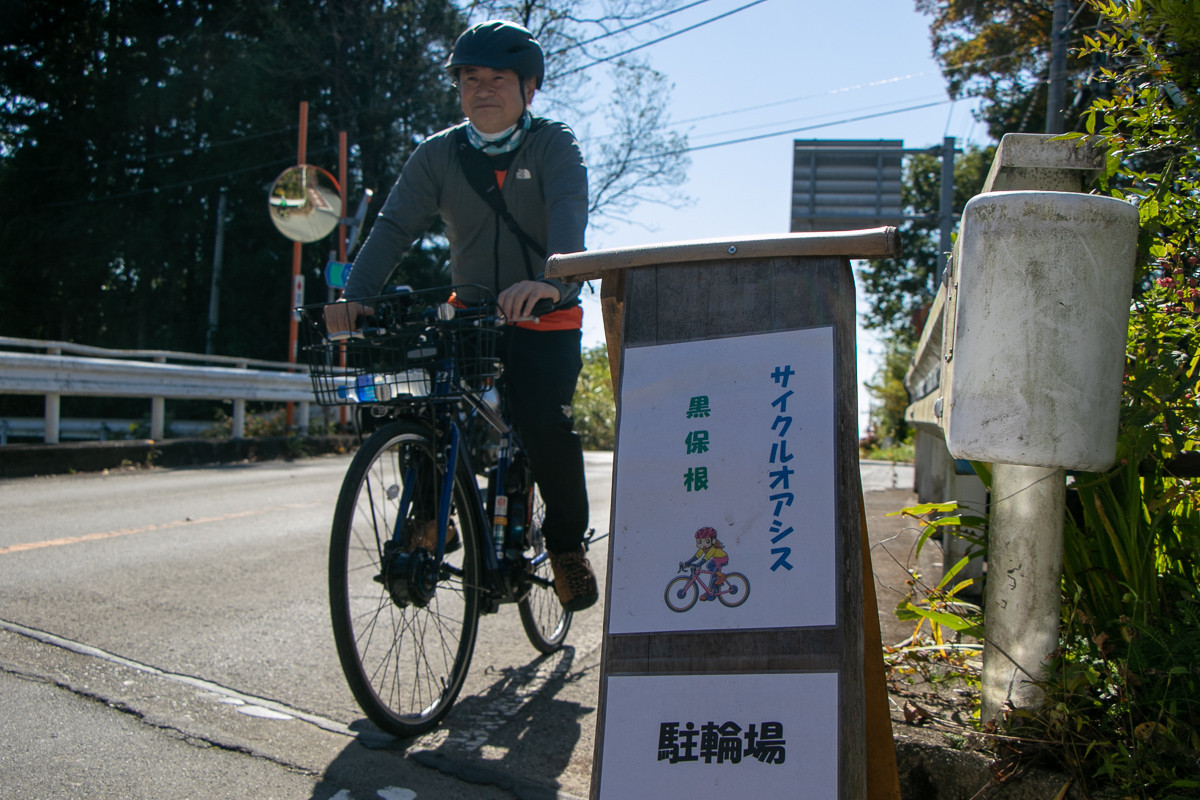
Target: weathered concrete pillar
x,y
1023,595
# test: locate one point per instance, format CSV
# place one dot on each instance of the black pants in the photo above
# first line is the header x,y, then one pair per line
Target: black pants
x,y
538,382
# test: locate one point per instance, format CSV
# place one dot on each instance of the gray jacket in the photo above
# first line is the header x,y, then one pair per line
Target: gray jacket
x,y
545,190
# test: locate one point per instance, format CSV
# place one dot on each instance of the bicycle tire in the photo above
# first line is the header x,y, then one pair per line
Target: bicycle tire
x,y
736,594
405,643
545,621
681,594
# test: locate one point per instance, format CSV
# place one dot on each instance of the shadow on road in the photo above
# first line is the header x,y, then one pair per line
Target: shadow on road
x,y
518,737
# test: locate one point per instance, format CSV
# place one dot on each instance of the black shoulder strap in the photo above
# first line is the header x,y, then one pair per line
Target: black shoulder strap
x,y
478,171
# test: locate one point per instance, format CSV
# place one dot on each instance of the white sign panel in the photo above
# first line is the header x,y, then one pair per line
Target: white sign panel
x,y
744,735
725,479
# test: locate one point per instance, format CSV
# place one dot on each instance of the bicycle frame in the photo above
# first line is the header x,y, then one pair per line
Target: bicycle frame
x,y
708,589
449,431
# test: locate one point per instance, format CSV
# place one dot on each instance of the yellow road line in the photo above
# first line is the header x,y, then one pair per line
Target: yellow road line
x,y
166,526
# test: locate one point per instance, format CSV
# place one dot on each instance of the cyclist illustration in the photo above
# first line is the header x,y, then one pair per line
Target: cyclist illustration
x,y
730,588
709,549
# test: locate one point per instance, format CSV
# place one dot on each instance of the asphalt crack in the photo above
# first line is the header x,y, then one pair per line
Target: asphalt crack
x,y
79,648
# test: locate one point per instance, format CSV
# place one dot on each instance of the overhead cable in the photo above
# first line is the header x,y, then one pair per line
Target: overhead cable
x,y
671,35
626,29
789,132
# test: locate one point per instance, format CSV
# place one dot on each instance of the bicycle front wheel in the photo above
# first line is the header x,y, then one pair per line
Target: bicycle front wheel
x,y
545,621
681,594
404,622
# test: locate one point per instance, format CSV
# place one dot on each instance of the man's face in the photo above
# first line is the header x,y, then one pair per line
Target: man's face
x,y
491,98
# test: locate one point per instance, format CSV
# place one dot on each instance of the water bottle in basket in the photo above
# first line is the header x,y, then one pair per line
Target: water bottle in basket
x,y
366,389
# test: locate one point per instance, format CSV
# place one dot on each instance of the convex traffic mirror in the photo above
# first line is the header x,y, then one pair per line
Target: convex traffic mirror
x,y
305,203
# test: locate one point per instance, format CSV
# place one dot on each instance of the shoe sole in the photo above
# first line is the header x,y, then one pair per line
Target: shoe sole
x,y
580,603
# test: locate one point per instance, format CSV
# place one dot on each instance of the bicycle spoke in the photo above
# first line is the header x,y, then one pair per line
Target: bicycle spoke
x,y
404,624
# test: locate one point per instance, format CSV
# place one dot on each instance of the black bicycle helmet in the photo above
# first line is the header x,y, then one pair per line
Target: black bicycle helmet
x,y
499,45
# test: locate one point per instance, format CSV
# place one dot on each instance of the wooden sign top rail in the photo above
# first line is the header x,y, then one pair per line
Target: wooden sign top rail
x,y
869,243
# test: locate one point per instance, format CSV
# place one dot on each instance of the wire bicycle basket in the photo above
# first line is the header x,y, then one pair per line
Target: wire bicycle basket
x,y
416,345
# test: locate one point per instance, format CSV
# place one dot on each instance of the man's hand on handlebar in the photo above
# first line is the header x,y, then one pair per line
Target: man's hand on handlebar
x,y
342,319
517,301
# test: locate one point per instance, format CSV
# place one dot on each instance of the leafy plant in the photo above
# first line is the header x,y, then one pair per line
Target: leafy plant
x,y
950,649
594,407
1125,713
1123,697
942,607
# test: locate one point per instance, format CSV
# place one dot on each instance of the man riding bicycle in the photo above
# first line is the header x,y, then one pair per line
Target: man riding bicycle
x,y
512,190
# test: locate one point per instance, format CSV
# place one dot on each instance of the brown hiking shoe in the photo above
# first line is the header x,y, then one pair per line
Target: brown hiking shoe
x,y
574,581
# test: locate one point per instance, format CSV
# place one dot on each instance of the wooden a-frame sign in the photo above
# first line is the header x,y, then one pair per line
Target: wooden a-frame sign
x,y
733,654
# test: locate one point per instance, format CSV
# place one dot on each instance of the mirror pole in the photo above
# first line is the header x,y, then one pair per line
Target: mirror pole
x,y
342,169
293,322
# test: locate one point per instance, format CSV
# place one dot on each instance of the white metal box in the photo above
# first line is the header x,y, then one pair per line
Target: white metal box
x,y
1036,326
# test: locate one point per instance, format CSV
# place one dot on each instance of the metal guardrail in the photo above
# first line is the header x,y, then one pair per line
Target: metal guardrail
x,y
94,429
66,368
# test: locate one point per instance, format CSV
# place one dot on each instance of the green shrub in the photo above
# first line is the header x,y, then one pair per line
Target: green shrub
x,y
594,407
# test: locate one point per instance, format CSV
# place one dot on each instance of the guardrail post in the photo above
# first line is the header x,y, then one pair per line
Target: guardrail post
x,y
302,422
239,419
158,412
238,426
53,408
1025,556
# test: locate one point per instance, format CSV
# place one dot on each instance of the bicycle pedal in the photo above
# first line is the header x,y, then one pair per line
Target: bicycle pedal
x,y
489,605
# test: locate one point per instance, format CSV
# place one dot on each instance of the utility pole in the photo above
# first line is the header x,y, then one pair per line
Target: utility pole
x,y
214,293
1056,93
945,210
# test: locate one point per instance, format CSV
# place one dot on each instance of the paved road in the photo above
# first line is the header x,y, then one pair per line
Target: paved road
x,y
164,634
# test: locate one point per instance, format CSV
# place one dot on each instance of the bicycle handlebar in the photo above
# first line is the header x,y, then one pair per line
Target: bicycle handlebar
x,y
441,315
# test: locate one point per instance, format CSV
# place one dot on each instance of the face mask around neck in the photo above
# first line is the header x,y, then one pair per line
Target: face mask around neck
x,y
493,137
499,143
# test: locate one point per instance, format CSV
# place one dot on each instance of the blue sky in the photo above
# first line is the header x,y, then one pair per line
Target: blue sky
x,y
778,66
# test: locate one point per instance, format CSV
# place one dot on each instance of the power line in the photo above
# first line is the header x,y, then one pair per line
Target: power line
x,y
790,100
855,87
789,132
877,107
627,28
671,35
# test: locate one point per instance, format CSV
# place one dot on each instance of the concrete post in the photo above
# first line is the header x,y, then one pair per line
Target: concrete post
x,y
158,412
53,406
53,409
239,419
1021,607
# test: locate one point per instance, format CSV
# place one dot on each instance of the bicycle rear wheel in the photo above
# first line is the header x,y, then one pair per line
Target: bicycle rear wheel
x,y
735,591
545,621
403,622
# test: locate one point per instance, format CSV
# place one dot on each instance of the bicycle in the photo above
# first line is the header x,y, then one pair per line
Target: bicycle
x,y
682,592
418,552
